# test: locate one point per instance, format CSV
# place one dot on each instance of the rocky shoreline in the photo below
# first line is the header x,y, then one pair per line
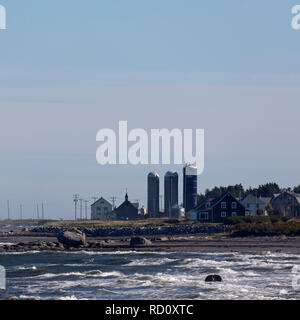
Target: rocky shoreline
x,y
200,238
198,243
141,231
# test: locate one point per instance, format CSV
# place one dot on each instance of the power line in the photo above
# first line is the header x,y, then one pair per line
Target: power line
x,y
113,199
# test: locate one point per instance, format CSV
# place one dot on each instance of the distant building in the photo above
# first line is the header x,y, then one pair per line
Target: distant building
x,y
218,210
189,187
101,210
171,192
153,195
127,210
142,213
177,212
286,204
255,206
136,204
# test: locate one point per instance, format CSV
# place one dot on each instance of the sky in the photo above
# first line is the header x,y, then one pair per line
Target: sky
x,y
70,68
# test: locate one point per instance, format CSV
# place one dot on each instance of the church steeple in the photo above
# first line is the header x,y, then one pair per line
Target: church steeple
x,y
126,196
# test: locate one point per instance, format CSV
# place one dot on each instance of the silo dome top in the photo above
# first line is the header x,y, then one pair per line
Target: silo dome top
x,y
171,174
153,175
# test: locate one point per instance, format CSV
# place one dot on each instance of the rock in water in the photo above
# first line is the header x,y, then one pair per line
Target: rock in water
x,y
213,278
74,238
139,242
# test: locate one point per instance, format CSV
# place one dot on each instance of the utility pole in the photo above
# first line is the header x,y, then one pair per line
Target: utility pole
x,y
81,201
75,199
43,214
113,199
8,210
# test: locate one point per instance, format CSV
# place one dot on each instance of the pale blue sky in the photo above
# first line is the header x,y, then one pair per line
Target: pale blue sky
x,y
69,68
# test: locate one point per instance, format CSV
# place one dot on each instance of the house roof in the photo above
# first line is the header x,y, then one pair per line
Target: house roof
x,y
266,200
293,194
127,203
101,199
209,204
251,199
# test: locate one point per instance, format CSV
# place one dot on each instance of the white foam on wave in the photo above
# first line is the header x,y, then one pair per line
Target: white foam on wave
x,y
90,273
19,253
72,298
283,292
150,262
245,276
6,244
28,297
250,274
128,252
26,268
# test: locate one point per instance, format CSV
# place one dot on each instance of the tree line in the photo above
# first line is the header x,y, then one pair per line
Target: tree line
x,y
238,191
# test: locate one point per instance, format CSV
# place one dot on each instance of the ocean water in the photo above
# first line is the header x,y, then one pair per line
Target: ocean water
x,y
144,275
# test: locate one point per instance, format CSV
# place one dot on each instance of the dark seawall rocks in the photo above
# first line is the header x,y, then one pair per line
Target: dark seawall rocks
x,y
141,231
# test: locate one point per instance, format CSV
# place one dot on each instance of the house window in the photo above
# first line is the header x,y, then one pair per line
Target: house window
x,y
233,205
204,216
234,214
223,214
223,205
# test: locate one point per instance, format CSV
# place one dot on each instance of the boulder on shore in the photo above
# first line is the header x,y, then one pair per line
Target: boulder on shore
x,y
213,278
139,242
74,238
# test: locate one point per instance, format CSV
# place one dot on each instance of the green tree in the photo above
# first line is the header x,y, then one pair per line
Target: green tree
x,y
200,198
270,209
297,189
265,190
236,190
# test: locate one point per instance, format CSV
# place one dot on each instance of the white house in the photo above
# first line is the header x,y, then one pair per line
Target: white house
x,y
101,210
255,205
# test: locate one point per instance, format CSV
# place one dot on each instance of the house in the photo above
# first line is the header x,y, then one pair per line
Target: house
x,y
255,206
217,210
286,204
127,210
101,210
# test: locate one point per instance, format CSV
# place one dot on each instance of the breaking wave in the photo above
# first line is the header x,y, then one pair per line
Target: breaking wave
x,y
148,275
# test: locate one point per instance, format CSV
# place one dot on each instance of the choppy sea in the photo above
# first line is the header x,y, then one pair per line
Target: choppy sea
x,y
144,275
